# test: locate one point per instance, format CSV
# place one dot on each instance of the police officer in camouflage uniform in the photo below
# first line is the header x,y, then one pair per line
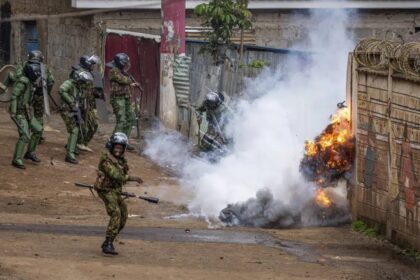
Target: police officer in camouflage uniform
x,y
38,101
71,95
21,112
215,109
121,91
91,93
113,169
38,97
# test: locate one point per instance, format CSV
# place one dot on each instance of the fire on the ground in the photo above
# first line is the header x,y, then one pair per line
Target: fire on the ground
x,y
329,156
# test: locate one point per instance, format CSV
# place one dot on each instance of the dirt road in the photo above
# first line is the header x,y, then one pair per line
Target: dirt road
x,y
49,229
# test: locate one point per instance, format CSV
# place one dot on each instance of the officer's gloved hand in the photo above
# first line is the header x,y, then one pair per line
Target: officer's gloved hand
x,y
2,88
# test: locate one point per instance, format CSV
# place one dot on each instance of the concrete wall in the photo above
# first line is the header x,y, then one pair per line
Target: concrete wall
x,y
286,28
282,28
80,37
62,42
40,7
138,21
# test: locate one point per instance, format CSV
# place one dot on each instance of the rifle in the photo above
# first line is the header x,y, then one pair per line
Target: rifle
x,y
2,88
150,199
79,120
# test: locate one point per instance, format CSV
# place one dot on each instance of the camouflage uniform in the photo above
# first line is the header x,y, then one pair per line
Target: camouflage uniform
x,y
116,175
121,101
38,97
70,95
38,101
21,107
90,117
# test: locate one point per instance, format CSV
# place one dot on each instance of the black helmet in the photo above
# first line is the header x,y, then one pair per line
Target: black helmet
x,y
35,56
120,60
117,138
82,76
87,61
32,71
214,99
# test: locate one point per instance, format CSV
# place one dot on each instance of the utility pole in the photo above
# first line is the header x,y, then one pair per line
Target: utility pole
x,y
172,44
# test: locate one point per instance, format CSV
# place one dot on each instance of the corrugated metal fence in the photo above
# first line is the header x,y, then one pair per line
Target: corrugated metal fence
x,y
230,76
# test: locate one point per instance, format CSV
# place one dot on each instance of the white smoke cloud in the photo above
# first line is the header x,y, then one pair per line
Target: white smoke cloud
x,y
283,109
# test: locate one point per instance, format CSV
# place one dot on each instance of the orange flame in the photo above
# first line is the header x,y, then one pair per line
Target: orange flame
x,y
329,155
338,133
322,198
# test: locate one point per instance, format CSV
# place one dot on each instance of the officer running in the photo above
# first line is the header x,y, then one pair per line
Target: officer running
x,y
121,91
71,108
112,175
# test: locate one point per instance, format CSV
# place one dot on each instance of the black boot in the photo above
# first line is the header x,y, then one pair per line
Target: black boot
x,y
71,160
41,140
31,156
108,247
18,165
76,151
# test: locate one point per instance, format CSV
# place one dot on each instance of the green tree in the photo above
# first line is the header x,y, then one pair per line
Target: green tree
x,y
223,16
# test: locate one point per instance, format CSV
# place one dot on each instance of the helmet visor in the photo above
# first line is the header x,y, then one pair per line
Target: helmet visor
x,y
127,66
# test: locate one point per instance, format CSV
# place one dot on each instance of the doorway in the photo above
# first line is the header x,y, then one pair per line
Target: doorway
x,y
145,63
5,29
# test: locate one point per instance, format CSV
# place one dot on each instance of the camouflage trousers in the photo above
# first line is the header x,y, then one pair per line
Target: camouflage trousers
x,y
26,128
38,105
89,128
117,211
124,115
73,131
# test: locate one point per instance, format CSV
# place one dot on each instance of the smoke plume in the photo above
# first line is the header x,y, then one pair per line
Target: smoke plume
x,y
260,178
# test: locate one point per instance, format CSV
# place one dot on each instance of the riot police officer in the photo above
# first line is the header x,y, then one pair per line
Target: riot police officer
x,y
71,97
121,91
21,112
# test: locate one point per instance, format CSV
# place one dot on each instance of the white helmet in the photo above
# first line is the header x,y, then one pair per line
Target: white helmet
x,y
82,76
117,138
213,99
